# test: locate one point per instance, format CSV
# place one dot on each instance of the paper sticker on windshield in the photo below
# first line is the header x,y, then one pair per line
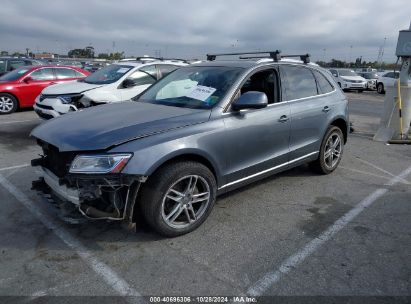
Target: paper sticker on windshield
x,y
122,70
201,93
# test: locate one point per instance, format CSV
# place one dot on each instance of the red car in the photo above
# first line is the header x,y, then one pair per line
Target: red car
x,y
19,88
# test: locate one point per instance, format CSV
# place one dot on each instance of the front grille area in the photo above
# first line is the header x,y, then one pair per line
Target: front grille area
x,y
44,115
44,107
57,162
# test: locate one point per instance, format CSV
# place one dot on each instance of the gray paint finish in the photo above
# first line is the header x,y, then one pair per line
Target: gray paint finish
x,y
239,146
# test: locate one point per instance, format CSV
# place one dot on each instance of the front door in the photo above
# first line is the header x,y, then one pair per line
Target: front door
x,y
29,90
257,140
142,78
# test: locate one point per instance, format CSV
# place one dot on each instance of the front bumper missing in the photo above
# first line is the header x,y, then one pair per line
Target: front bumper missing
x,y
62,191
90,197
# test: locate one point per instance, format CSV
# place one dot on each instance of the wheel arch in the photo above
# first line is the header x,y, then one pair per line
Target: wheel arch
x,y
343,125
192,155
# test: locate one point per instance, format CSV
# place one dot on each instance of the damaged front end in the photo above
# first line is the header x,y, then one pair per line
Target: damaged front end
x,y
87,186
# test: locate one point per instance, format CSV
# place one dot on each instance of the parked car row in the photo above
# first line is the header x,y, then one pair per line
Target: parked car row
x,y
349,80
202,130
20,87
8,64
113,83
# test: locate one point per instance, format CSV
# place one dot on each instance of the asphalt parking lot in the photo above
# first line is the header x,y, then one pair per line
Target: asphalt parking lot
x,y
293,234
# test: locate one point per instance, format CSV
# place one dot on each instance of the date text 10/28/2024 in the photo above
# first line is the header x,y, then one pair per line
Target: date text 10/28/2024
x,y
205,299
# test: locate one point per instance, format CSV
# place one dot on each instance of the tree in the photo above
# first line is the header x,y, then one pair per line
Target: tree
x,y
87,52
111,56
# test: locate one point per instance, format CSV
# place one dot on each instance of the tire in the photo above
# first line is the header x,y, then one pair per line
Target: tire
x,y
324,165
168,204
380,88
8,103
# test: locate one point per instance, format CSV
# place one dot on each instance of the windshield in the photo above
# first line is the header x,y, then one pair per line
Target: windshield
x,y
108,74
192,87
14,75
347,73
370,75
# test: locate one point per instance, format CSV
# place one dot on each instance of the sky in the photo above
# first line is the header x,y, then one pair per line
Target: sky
x,y
190,29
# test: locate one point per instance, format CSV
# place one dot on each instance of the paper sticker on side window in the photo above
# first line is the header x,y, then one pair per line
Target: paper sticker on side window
x,y
201,93
123,70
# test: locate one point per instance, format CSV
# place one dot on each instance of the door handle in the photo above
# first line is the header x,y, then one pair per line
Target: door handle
x,y
283,118
326,109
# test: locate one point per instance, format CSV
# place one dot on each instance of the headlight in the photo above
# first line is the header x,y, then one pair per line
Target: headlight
x,y
107,163
67,99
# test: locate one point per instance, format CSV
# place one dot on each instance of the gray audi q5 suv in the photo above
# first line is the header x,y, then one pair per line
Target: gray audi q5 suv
x,y
202,130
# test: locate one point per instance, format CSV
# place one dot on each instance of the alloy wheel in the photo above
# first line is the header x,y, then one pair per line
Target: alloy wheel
x,y
333,149
6,104
186,201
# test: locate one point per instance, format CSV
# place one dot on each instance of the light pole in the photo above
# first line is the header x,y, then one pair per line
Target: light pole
x,y
349,63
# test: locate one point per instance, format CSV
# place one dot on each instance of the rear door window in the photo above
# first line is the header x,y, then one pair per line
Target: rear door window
x,y
297,82
64,73
43,74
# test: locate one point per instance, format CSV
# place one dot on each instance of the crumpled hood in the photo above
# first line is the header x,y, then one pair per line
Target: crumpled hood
x,y
353,78
102,127
69,87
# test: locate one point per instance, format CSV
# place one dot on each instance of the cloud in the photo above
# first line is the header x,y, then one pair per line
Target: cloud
x,y
192,28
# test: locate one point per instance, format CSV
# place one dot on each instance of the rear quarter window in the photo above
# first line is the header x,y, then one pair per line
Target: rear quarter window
x,y
324,85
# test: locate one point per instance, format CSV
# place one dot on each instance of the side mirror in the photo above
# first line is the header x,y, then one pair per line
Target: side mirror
x,y
250,100
128,83
28,79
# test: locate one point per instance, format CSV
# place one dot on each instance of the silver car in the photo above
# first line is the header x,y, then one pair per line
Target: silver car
x,y
202,130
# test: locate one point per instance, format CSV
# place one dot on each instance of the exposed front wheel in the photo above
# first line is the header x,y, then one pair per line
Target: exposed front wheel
x,y
178,198
8,103
331,151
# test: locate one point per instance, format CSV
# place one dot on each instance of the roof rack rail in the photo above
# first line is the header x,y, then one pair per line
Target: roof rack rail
x,y
275,55
304,58
272,54
160,58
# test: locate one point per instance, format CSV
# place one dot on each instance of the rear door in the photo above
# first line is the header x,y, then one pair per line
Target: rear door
x,y
40,79
310,110
65,74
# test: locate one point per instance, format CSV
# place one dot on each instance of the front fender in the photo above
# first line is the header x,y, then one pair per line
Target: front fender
x,y
202,141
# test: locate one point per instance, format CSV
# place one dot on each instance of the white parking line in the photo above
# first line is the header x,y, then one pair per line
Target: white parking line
x,y
18,121
14,167
103,270
296,259
378,168
370,174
